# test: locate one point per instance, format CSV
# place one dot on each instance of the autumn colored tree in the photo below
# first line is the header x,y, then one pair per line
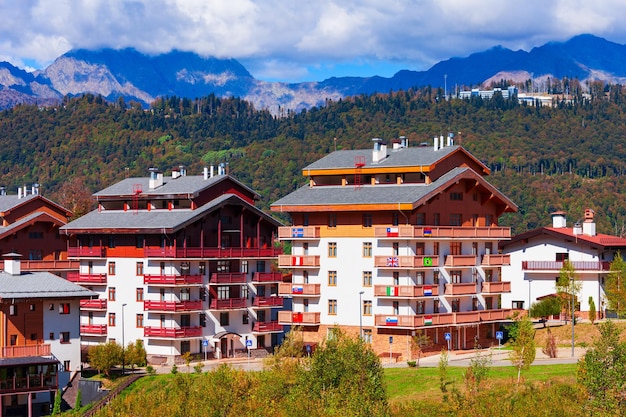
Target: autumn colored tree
x,y
615,285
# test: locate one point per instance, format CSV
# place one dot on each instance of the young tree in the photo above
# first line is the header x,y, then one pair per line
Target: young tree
x,y
104,357
523,344
592,310
615,285
444,381
545,308
136,354
418,343
567,287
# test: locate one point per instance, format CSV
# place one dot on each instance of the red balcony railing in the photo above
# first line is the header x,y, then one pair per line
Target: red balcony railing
x,y
95,304
496,260
83,278
464,288
228,278
264,302
496,287
46,265
287,261
289,289
422,261
301,319
172,332
172,306
24,351
228,304
86,251
405,291
93,329
299,232
267,327
557,266
29,383
172,279
197,252
267,277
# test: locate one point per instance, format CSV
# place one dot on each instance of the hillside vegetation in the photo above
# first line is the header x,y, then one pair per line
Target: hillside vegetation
x,y
567,157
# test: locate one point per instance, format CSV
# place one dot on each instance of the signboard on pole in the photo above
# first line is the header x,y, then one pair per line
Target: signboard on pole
x,y
499,336
448,337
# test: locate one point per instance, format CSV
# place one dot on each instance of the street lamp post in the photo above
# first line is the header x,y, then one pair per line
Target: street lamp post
x,y
361,315
572,316
123,344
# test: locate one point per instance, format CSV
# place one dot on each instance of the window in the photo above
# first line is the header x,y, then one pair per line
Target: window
x,y
35,255
305,219
224,319
367,220
456,248
31,307
419,278
12,310
456,219
489,248
64,308
517,304
139,294
395,219
111,268
561,257
185,269
488,220
395,249
65,337
396,278
435,306
436,248
332,307
51,336
367,249
419,249
474,274
202,268
223,293
474,304
332,220
202,319
489,303
139,240
488,275
139,269
332,249
35,235
436,277
305,277
474,248
260,266
13,340
51,306
244,268
436,219
111,293
112,319
367,307
111,241
305,303
332,278
185,294
420,307
139,320
456,305
66,365
455,277
475,220
421,219
305,248
367,336
244,291
367,278
456,196
396,307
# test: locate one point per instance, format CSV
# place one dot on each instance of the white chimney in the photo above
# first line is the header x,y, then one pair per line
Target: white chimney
x,y
212,171
435,143
19,192
441,142
175,173
558,219
589,225
12,263
577,230
35,189
380,150
205,173
156,178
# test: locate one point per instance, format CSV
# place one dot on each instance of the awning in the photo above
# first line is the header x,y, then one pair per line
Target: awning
x,y
230,335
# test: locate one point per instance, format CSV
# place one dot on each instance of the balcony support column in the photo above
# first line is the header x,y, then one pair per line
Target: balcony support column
x,y
242,244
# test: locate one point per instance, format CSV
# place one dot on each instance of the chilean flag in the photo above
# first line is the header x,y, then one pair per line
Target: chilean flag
x,y
393,261
391,321
392,232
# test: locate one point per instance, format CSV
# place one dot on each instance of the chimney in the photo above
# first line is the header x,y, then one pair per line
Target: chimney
x,y
205,173
156,178
183,171
435,143
589,225
577,230
558,219
3,190
450,139
19,192
380,150
404,143
35,189
175,173
212,171
12,263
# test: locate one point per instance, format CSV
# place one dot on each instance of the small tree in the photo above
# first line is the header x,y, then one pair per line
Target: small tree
x,y
545,308
477,370
524,350
136,354
104,357
568,287
418,343
592,310
549,347
56,408
615,285
443,370
187,358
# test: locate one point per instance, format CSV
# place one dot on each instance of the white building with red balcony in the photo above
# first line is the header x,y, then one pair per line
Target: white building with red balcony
x,y
396,241
537,257
184,263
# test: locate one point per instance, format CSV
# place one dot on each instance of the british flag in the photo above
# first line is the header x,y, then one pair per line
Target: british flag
x,y
393,261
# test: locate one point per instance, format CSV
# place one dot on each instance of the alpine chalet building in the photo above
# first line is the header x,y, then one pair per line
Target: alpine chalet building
x,y
393,242
183,263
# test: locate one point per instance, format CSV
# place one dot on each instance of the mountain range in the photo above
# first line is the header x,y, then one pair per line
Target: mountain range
x,y
134,76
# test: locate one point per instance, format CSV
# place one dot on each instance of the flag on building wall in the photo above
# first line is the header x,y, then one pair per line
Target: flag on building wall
x,y
297,232
427,261
428,232
296,317
391,321
392,290
392,232
297,289
393,261
428,320
428,290
297,260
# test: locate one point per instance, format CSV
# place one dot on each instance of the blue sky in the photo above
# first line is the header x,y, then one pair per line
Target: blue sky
x,y
293,40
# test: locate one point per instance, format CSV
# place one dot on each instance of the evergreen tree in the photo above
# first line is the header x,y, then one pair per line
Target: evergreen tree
x,y
615,285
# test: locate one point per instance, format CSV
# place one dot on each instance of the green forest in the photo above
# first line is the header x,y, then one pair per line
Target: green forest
x,y
570,156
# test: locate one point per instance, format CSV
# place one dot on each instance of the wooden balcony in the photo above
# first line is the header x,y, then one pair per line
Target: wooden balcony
x,y
299,232
394,232
495,287
93,329
267,277
172,332
554,266
86,251
298,319
422,261
460,260
267,327
395,320
291,261
496,260
199,252
25,351
267,302
286,289
442,319
94,304
172,280
33,382
172,306
228,304
443,232
44,265
462,288
85,278
482,316
405,291
228,278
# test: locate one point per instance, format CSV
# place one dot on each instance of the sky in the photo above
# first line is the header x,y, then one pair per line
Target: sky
x,y
296,40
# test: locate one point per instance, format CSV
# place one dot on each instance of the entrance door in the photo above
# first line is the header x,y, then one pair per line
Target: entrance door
x,y
224,347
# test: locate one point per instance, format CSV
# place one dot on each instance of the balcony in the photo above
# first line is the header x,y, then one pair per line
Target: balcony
x,y
394,232
228,278
163,279
298,319
495,287
299,232
405,291
286,289
496,260
93,329
33,382
443,319
81,278
555,266
228,304
172,332
267,302
482,316
422,261
267,327
443,232
395,320
25,351
86,251
460,260
172,306
43,265
198,252
268,277
94,304
287,261
462,288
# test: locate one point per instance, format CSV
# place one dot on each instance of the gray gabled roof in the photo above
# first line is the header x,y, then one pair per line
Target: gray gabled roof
x,y
8,202
39,285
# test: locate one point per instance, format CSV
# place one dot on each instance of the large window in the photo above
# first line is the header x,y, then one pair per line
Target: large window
x,y
112,319
139,294
332,249
111,268
332,278
332,307
455,277
111,293
139,269
139,320
367,220
367,249
367,307
456,196
224,319
456,248
367,278
456,219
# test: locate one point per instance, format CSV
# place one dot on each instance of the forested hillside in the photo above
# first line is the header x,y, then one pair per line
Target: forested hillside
x,y
568,157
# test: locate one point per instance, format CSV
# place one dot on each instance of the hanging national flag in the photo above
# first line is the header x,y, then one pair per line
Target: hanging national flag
x,y
428,290
297,232
391,321
428,232
392,232
392,291
428,320
296,317
297,260
427,261
297,289
393,261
